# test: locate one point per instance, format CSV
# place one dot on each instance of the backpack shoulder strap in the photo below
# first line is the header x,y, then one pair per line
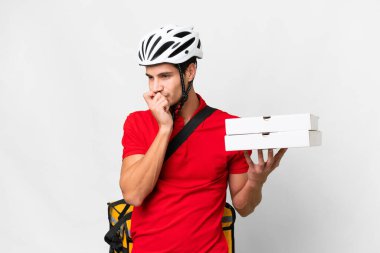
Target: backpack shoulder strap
x,y
187,130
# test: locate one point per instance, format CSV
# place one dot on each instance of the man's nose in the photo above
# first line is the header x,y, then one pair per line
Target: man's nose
x,y
156,86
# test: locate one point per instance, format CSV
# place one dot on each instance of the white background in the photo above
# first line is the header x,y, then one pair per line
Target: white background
x,y
69,77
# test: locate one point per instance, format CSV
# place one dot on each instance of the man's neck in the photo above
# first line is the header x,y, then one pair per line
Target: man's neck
x,y
190,106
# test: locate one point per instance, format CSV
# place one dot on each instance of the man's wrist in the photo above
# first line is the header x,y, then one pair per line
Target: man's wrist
x,y
167,130
255,184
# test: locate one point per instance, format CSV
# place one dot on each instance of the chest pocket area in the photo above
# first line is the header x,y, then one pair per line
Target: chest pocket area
x,y
208,158
200,159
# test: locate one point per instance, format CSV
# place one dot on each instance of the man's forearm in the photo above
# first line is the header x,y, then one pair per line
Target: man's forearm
x,y
248,198
140,179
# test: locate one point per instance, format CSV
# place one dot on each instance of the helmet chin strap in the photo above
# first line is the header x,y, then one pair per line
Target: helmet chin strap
x,y
175,109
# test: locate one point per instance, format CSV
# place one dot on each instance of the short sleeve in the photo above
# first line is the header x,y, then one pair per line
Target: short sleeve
x,y
237,163
133,141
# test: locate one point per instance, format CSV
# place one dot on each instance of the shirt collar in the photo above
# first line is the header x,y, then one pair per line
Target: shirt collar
x,y
202,104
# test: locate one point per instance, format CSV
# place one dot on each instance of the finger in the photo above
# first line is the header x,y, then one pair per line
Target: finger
x,y
148,97
248,159
157,96
150,94
260,155
270,154
161,98
270,159
278,156
164,104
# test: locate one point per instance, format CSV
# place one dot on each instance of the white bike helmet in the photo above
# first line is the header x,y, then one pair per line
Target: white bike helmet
x,y
170,44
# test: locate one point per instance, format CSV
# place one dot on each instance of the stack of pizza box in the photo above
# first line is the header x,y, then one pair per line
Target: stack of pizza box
x,y
270,132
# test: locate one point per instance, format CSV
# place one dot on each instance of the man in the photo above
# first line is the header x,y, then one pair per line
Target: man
x,y
179,203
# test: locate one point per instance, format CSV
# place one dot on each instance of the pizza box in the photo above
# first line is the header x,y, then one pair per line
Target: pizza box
x,y
276,123
289,139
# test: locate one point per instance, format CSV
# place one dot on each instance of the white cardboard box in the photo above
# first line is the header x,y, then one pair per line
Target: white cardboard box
x,y
290,139
275,123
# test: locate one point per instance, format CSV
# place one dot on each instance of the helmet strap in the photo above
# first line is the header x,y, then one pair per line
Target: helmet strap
x,y
185,93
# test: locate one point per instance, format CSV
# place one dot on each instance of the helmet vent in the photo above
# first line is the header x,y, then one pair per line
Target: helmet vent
x,y
175,45
140,57
162,49
199,44
182,47
142,49
181,34
147,44
154,45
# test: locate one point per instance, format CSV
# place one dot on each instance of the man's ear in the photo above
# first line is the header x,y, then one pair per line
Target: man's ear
x,y
191,71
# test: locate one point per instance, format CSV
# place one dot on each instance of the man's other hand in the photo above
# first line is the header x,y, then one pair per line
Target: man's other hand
x,y
259,172
159,106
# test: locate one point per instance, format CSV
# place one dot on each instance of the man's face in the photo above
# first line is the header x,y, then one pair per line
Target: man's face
x,y
164,78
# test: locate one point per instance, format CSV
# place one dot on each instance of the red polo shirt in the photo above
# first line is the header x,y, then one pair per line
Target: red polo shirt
x,y
184,211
